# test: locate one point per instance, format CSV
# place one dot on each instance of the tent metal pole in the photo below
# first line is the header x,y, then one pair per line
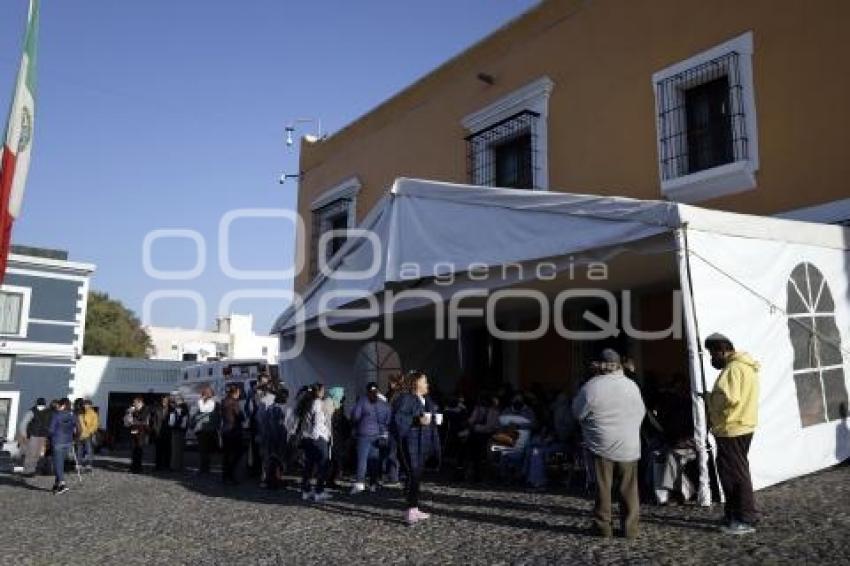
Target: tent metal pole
x,y
696,366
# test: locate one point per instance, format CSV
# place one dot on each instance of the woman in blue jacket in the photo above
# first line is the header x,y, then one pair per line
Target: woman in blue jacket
x,y
63,429
414,426
371,419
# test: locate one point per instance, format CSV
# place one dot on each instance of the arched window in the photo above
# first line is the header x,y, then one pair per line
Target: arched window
x,y
376,361
818,360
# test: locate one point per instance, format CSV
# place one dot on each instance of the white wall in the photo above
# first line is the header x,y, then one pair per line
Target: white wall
x,y
234,336
98,376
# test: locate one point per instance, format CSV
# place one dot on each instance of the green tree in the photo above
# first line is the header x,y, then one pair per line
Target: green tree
x,y
113,330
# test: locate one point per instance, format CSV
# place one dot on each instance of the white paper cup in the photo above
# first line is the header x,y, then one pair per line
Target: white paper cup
x,y
438,419
427,418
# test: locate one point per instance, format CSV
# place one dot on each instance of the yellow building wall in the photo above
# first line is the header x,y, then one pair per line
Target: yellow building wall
x,y
602,136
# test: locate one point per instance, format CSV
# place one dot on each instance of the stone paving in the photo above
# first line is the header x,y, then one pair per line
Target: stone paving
x,y
117,518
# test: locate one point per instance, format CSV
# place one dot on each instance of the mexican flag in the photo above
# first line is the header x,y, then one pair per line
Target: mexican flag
x,y
17,147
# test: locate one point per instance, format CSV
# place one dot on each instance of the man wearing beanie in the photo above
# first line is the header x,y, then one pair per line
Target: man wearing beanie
x,y
33,431
610,410
733,414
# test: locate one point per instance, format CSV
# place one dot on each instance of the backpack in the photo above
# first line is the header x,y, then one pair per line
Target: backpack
x,y
39,426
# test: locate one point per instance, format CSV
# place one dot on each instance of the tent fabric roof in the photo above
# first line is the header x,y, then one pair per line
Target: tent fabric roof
x,y
426,228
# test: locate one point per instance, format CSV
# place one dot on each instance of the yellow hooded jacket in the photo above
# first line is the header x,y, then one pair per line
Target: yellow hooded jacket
x,y
734,401
89,423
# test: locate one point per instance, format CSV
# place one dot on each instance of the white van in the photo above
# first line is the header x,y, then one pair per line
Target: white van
x,y
219,375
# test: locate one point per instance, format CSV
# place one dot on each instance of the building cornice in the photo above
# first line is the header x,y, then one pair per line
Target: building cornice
x,y
60,264
347,189
526,96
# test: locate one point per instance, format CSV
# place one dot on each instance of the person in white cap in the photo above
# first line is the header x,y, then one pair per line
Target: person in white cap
x,y
610,409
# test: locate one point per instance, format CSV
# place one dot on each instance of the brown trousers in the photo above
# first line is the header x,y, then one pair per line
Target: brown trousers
x,y
733,467
607,471
33,450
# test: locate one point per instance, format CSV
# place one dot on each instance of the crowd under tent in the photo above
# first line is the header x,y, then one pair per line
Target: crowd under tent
x,y
530,261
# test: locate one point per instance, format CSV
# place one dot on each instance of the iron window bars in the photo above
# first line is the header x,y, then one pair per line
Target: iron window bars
x,y
333,216
701,119
504,154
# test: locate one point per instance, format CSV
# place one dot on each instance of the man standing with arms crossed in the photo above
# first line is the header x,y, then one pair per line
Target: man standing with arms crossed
x,y
733,414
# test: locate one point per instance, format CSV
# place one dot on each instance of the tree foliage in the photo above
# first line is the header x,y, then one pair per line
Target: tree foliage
x,y
113,330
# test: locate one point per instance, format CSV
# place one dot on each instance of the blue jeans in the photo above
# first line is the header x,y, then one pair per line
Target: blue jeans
x,y
370,458
85,451
59,453
315,456
391,460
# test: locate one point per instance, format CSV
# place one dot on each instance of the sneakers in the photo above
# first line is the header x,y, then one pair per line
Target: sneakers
x,y
373,488
322,496
60,489
414,515
737,528
358,488
422,516
306,495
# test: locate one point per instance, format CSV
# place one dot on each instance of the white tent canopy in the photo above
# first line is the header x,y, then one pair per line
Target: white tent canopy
x,y
736,273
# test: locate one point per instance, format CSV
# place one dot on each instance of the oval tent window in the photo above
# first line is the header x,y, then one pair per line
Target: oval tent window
x,y
818,359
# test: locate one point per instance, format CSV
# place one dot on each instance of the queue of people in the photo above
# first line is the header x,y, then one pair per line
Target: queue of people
x,y
626,436
51,434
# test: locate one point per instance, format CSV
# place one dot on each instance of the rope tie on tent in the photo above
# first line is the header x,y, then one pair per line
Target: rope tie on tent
x,y
774,307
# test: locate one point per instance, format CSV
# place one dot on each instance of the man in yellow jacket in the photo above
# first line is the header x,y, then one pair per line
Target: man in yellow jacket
x,y
89,422
733,414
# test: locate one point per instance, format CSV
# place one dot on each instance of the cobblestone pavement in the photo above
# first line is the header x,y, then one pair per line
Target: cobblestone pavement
x,y
117,518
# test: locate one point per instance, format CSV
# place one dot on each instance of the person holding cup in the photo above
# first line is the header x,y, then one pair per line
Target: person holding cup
x,y
414,424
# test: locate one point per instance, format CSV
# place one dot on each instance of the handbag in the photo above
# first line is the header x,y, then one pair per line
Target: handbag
x,y
506,438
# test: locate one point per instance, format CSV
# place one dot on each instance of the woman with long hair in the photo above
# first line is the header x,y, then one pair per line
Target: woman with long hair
x,y
415,428
314,430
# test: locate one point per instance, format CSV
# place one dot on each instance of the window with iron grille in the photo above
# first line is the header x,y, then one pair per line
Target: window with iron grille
x,y
333,216
504,154
701,117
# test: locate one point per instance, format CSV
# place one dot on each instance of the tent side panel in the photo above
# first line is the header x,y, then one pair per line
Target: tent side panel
x,y
767,297
330,362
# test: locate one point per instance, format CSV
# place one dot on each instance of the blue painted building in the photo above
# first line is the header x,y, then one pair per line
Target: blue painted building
x,y
42,324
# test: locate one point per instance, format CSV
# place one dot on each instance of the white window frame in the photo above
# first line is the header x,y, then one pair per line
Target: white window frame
x,y
534,97
12,428
730,178
25,309
345,190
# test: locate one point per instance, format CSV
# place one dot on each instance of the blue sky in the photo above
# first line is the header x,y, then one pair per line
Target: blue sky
x,y
165,114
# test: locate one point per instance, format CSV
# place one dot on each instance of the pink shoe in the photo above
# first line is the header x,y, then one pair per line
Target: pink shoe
x,y
411,517
420,516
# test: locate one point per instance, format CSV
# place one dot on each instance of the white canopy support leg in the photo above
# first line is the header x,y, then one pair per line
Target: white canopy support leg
x,y
696,372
